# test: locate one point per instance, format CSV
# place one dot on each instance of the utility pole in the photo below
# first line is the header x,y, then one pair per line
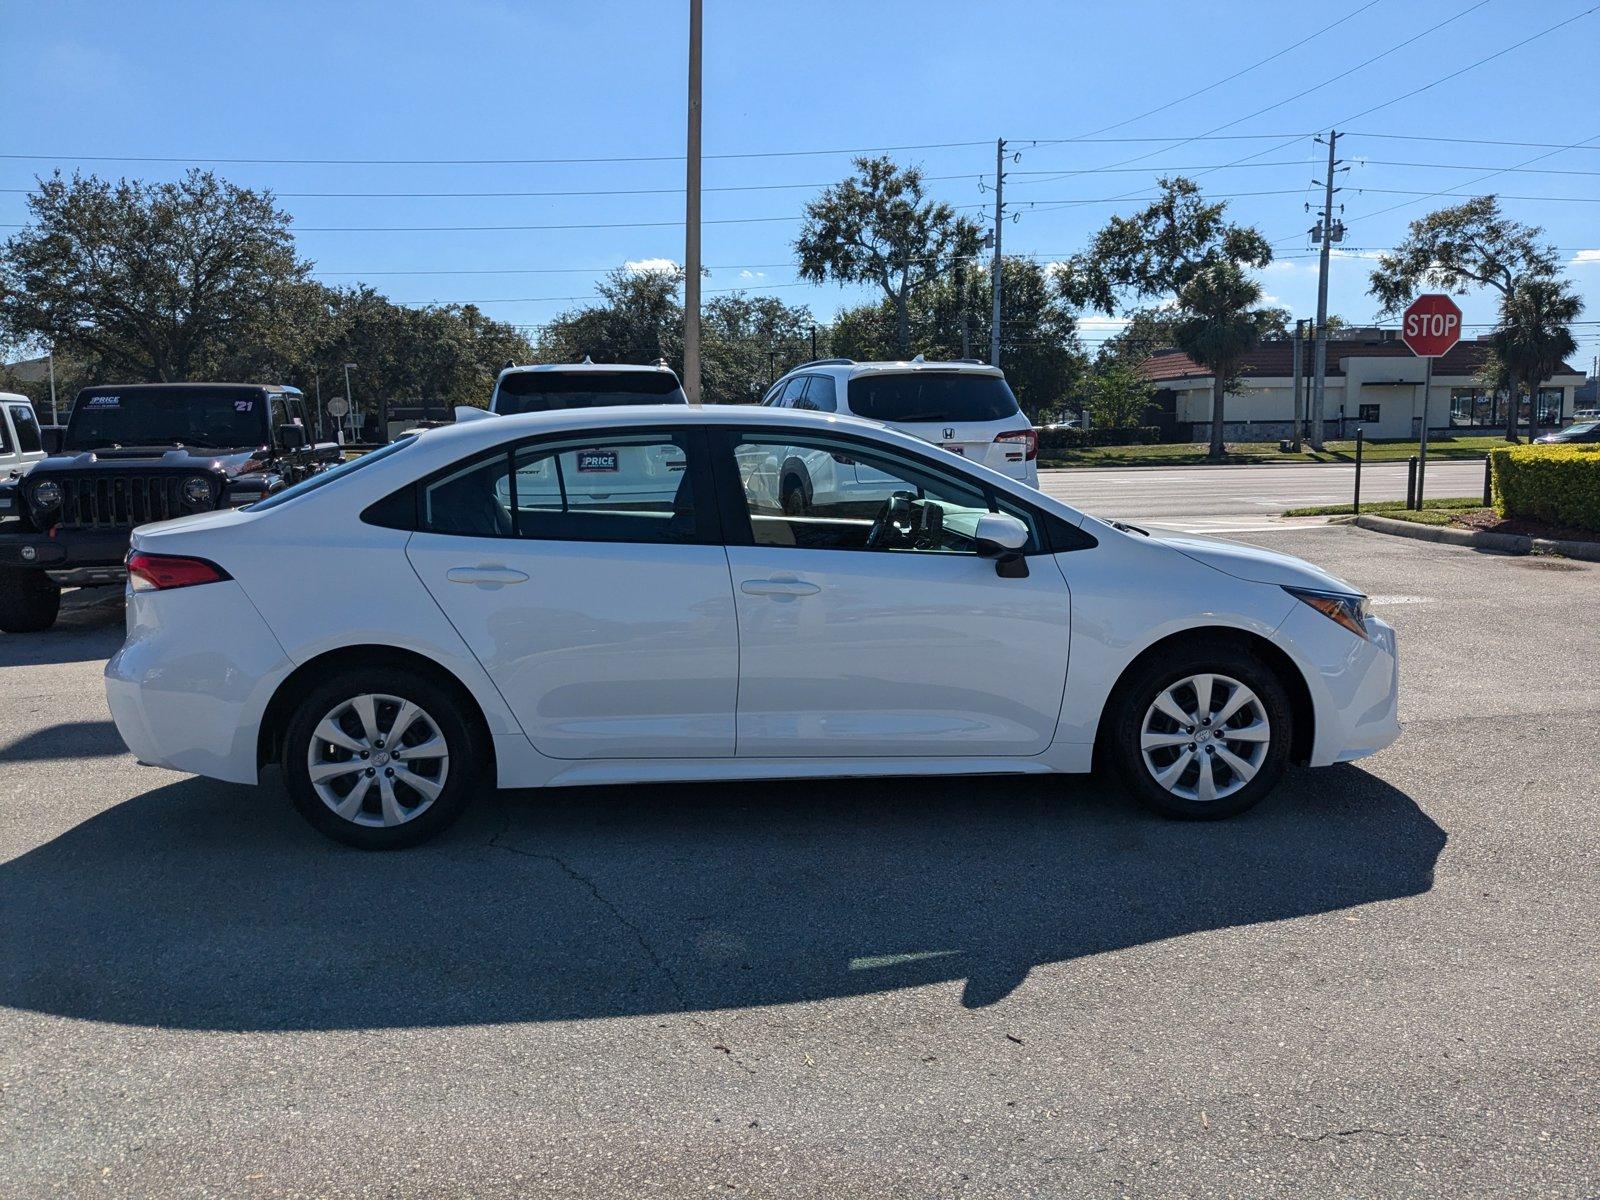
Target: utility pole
x,y
691,251
1299,382
999,220
1327,234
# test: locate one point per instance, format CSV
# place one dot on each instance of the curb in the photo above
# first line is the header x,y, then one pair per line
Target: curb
x,y
1503,543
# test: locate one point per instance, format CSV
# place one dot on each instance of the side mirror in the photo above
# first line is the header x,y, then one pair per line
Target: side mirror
x,y
1001,537
292,437
51,438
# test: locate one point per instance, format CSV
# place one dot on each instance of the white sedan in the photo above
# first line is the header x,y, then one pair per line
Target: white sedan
x,y
493,604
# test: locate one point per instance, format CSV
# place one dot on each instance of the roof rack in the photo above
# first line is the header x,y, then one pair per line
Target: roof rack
x,y
825,362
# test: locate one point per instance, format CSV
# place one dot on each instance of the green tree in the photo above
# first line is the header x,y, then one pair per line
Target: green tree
x,y
878,226
1118,396
1218,326
166,281
1535,336
1463,247
746,342
1180,246
638,319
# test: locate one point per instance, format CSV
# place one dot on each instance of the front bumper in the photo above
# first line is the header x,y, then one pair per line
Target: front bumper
x,y
68,552
1354,684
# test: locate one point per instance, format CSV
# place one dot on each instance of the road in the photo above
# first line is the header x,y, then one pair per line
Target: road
x,y
1242,498
1381,982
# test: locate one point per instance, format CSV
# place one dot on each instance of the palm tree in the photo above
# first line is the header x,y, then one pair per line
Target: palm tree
x,y
1217,328
1533,339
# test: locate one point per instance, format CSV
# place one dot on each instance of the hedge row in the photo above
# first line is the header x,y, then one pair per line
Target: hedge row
x,y
1558,484
1077,439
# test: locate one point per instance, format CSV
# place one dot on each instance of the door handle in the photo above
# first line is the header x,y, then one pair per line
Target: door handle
x,y
778,587
485,576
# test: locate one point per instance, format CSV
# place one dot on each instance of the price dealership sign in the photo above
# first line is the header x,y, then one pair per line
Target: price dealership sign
x,y
1431,326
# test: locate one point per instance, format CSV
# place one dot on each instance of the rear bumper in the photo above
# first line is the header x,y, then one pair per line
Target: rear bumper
x,y
189,686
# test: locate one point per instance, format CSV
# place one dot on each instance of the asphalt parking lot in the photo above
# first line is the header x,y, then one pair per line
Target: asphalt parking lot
x,y
1381,982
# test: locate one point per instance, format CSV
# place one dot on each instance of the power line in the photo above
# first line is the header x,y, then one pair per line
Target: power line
x,y
1423,137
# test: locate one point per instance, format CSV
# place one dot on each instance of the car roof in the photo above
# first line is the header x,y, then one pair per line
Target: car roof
x,y
14,398
101,388
852,369
659,368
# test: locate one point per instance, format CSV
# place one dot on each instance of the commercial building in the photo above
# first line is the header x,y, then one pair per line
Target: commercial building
x,y
1373,380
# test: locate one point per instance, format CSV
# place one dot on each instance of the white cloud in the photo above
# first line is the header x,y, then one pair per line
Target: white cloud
x,y
749,274
640,265
1269,298
1586,258
1102,324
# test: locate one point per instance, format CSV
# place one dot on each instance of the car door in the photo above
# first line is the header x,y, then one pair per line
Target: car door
x,y
856,646
605,620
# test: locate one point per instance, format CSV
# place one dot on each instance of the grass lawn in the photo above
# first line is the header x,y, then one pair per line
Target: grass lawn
x,y
1434,512
1183,454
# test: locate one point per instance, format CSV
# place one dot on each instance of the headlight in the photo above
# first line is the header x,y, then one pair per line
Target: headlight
x,y
197,491
47,494
1341,607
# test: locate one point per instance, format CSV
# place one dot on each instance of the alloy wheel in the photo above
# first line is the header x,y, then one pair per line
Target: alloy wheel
x,y
378,760
1205,737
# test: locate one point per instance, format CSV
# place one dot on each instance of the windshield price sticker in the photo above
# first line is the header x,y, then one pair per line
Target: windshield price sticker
x,y
105,402
597,460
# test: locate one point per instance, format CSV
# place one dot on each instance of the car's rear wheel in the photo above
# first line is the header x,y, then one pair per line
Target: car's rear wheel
x,y
1203,735
380,758
794,499
29,600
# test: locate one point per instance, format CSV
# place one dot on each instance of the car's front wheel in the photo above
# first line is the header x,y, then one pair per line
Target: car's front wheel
x,y
380,758
1203,734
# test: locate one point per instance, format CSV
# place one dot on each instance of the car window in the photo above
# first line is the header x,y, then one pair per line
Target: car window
x,y
5,437
821,396
931,396
826,493
28,439
620,488
792,391
545,391
332,475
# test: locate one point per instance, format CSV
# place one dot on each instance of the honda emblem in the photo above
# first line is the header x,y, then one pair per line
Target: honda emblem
x,y
949,433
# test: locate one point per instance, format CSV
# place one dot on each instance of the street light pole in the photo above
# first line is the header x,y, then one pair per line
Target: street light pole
x,y
691,222
54,420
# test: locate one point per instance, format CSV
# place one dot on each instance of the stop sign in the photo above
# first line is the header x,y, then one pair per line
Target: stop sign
x,y
1431,325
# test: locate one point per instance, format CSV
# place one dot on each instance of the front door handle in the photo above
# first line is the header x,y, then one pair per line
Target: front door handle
x,y
778,587
485,576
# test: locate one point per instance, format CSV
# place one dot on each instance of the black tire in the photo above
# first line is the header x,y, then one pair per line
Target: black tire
x,y
29,600
441,706
1139,692
794,498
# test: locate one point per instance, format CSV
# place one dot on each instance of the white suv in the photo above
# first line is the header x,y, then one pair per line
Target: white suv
x,y
967,408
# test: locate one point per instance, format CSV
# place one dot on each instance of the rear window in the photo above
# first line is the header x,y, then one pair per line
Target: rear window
x,y
332,475
545,391
931,396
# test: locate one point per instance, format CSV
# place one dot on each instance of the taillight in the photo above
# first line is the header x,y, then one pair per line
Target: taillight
x,y
1028,437
162,572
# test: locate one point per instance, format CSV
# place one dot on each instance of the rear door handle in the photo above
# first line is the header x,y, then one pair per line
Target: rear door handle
x,y
485,576
778,587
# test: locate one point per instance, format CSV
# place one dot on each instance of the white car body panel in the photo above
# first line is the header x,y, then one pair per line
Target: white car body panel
x,y
14,460
592,664
628,662
895,654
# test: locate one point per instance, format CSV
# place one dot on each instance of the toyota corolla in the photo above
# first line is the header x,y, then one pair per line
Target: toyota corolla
x,y
496,604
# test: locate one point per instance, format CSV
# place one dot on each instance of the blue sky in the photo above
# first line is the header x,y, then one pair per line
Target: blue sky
x,y
493,79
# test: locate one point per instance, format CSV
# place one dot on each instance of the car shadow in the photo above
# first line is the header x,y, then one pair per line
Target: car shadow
x,y
89,628
68,740
203,905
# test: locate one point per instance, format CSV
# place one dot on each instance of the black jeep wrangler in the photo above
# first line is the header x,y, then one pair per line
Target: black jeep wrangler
x,y
136,453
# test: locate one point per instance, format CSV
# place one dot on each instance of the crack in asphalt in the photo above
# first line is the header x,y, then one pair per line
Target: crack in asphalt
x,y
1362,1129
656,960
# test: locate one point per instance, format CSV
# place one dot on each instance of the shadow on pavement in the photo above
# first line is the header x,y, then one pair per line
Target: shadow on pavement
x,y
202,905
68,740
89,628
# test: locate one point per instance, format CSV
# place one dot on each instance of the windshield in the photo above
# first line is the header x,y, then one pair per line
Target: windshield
x,y
544,391
348,467
929,396
187,416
